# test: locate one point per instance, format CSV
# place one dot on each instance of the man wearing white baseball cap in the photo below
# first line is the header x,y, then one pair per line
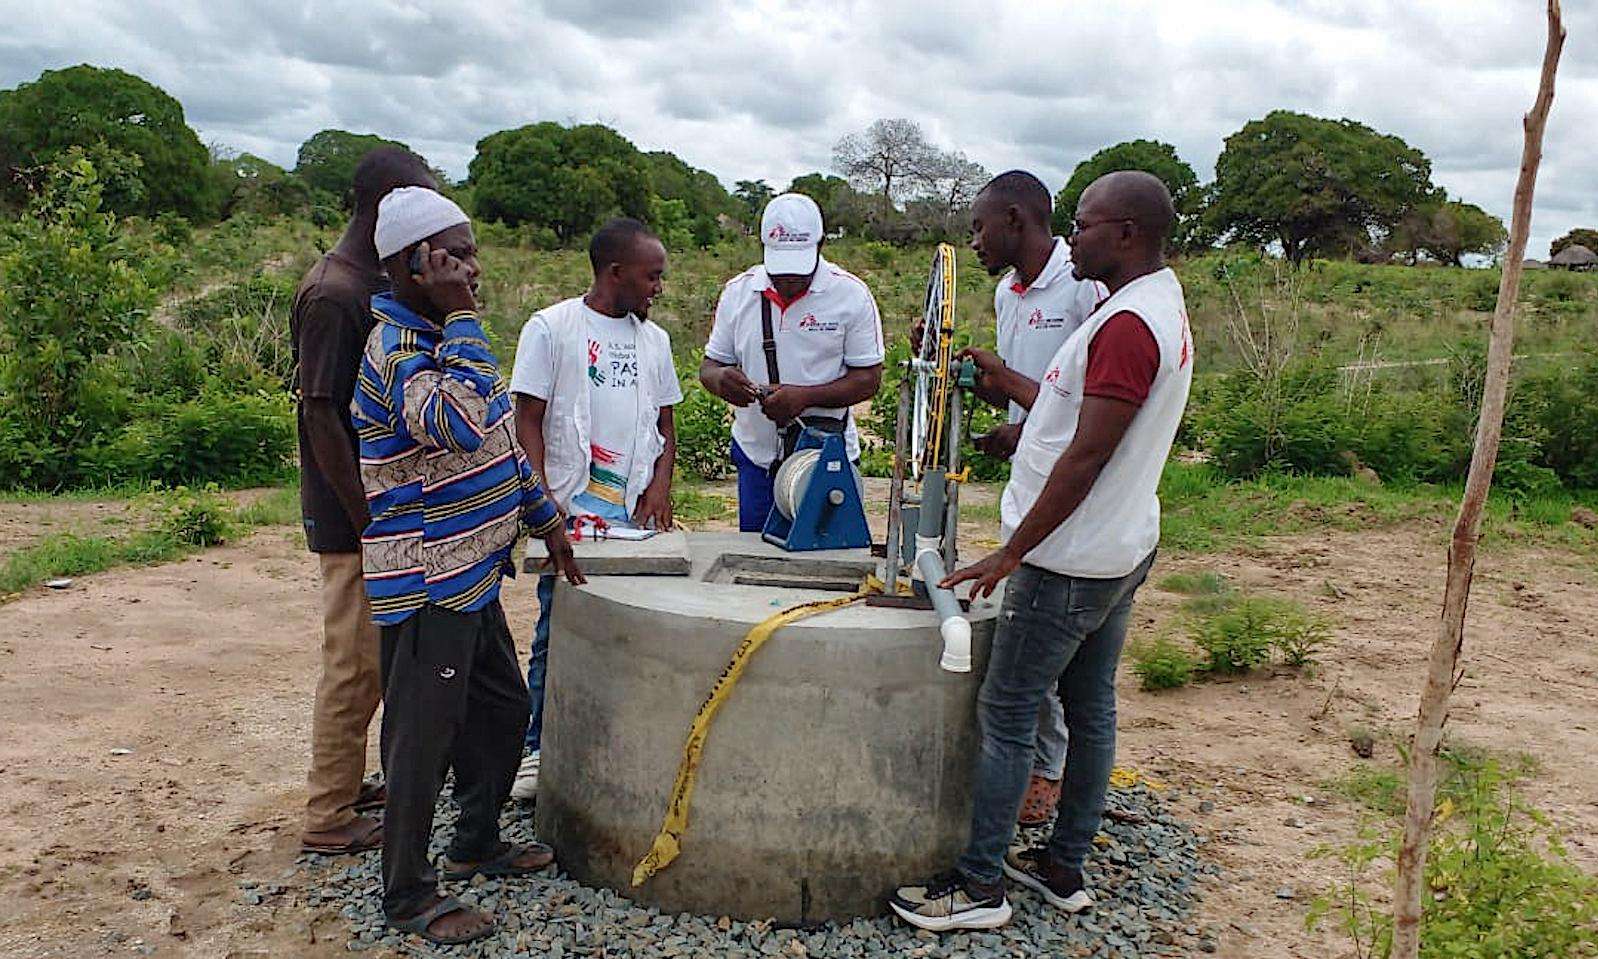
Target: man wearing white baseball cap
x,y
795,339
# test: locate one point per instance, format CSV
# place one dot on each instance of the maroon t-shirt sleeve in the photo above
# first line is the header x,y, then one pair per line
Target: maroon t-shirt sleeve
x,y
1122,360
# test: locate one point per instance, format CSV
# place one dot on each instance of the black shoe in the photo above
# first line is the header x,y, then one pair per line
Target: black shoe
x,y
951,901
1060,887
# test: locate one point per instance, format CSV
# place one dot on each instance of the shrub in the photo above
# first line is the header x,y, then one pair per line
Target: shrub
x,y
73,290
217,436
1297,637
1162,664
1498,882
877,253
194,517
1235,639
704,428
1239,633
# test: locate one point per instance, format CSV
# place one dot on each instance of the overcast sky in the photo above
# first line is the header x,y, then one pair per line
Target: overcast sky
x,y
758,89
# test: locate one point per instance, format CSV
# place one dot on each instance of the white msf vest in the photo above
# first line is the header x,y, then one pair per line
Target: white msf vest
x,y
568,417
1118,524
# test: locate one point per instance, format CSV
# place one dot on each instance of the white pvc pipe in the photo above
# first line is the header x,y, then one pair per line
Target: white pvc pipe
x,y
952,624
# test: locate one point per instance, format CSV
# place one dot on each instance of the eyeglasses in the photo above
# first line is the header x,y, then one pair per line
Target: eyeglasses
x,y
1078,227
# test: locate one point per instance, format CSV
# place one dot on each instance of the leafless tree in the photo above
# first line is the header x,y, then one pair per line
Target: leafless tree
x,y
890,159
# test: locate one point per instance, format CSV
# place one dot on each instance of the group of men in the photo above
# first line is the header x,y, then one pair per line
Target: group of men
x,y
422,465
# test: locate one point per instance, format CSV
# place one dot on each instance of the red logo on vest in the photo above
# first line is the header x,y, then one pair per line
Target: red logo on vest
x,y
1052,376
1187,344
1036,319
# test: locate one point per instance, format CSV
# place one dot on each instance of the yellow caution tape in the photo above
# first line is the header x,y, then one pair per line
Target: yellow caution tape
x,y
668,842
1125,777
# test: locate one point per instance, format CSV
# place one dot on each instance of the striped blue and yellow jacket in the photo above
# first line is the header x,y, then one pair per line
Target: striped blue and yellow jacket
x,y
447,485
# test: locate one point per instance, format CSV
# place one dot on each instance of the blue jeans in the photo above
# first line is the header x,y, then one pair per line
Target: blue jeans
x,y
754,492
1065,632
538,658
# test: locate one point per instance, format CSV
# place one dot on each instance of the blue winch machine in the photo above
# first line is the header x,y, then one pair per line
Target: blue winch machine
x,y
816,500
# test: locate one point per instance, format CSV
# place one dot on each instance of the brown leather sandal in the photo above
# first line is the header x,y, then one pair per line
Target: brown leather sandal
x,y
1037,806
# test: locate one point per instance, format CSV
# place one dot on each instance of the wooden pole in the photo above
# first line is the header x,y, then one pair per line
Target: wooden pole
x,y
1442,673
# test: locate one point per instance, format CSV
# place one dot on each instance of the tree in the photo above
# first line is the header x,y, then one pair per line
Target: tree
x,y
248,184
950,181
327,161
751,196
1443,671
1315,186
1579,236
149,158
702,195
842,208
1447,231
566,179
888,159
1150,156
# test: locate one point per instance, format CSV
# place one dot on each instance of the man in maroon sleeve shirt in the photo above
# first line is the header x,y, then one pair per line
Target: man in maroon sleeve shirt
x,y
1080,521
328,326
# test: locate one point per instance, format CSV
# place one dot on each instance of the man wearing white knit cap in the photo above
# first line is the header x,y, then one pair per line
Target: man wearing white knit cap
x,y
449,490
794,339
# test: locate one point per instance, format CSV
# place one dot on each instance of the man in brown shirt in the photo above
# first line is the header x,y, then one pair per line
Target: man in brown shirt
x,y
329,325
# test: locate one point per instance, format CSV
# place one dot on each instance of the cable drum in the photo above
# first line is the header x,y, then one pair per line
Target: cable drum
x,y
793,478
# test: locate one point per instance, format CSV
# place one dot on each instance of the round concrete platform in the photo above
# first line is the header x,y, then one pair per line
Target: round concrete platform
x,y
840,765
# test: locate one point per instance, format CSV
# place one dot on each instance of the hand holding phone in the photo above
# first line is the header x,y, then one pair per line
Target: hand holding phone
x,y
444,280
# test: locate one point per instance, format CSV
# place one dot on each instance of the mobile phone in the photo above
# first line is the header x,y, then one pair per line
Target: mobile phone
x,y
416,260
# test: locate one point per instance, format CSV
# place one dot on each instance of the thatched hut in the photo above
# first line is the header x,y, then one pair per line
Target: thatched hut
x,y
1575,257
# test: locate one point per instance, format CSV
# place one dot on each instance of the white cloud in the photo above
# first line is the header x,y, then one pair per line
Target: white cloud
x,y
763,88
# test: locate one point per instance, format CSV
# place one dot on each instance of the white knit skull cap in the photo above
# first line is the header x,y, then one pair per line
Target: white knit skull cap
x,y
409,214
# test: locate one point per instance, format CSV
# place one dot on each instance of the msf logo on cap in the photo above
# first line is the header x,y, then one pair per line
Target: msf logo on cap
x,y
782,234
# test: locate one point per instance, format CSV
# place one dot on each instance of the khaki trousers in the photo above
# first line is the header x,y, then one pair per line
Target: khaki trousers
x,y
346,696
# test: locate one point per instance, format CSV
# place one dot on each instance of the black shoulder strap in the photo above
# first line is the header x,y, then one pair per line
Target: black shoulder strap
x,y
768,341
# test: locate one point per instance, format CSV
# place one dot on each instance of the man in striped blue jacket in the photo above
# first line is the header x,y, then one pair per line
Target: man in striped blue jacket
x,y
449,490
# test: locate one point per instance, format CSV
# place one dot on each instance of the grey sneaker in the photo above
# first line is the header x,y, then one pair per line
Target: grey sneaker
x,y
951,901
526,785
1060,887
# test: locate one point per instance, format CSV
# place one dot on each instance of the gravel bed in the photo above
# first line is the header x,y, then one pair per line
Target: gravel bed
x,y
1142,876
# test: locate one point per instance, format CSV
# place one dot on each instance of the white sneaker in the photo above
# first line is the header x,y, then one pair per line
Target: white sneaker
x,y
526,785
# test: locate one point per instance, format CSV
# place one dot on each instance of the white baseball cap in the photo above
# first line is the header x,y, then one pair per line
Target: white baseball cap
x,y
791,231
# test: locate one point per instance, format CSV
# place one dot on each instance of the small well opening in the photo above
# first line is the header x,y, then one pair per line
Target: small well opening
x,y
789,572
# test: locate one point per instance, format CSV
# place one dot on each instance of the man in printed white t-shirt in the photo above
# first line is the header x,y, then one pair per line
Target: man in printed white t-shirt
x,y
594,387
1037,305
825,349
1080,520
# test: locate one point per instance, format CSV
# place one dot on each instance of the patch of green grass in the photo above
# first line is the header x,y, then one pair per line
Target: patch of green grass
x,y
279,507
693,505
177,522
1202,511
1204,582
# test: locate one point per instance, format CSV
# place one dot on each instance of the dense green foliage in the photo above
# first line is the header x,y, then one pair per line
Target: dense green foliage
x,y
1150,156
73,290
1315,186
327,161
565,178
1448,231
149,160
93,391
1579,236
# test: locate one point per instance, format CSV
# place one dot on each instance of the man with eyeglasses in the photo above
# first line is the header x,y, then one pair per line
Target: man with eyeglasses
x,y
1080,522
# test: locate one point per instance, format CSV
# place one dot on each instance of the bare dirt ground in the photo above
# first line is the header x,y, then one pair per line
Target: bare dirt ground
x,y
204,670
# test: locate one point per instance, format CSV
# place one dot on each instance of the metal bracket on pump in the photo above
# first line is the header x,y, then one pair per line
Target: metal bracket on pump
x,y
922,527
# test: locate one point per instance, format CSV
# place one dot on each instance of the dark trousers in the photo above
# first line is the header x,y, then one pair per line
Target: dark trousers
x,y
1065,633
453,697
